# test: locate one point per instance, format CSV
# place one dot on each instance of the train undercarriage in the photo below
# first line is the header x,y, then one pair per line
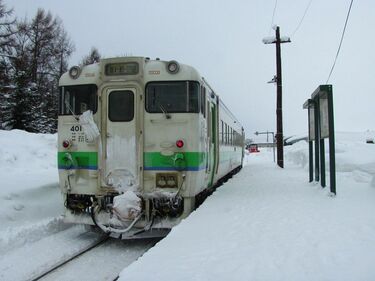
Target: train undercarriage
x,y
130,216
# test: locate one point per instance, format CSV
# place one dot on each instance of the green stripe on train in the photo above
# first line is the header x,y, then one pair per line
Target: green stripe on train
x,y
80,160
190,159
151,159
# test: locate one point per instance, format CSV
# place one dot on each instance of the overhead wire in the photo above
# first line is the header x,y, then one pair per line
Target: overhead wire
x,y
303,17
299,23
342,38
273,17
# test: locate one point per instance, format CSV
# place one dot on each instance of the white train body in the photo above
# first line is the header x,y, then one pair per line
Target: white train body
x,y
139,141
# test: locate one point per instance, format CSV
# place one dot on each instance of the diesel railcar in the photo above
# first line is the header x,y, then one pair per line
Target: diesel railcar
x,y
139,142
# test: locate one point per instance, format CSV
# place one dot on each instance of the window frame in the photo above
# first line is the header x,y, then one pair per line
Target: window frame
x,y
187,92
203,101
62,107
111,107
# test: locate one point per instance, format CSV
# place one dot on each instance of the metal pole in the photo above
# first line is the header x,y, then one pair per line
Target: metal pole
x,y
273,146
279,112
311,163
316,120
332,157
322,164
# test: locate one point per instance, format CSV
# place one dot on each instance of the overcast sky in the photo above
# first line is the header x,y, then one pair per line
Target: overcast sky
x,y
223,41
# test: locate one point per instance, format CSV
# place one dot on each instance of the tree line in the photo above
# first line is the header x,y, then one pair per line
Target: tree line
x,y
33,56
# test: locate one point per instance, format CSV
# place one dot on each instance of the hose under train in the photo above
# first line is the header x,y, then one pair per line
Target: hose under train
x,y
109,229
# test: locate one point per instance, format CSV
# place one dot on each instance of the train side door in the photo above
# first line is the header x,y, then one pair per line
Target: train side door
x,y
212,140
121,146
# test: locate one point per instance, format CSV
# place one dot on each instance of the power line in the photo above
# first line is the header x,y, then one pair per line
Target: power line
x,y
303,17
273,17
342,38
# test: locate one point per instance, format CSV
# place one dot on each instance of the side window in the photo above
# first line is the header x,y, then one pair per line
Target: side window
x,y
203,101
222,131
121,106
193,97
226,133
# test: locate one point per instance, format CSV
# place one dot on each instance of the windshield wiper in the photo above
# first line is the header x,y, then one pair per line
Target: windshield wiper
x,y
166,114
67,104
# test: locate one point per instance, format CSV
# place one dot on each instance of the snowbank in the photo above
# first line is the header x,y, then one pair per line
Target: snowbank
x,y
269,223
353,156
30,201
26,152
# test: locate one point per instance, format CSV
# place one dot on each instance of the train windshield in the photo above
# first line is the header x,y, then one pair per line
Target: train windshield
x,y
74,100
172,97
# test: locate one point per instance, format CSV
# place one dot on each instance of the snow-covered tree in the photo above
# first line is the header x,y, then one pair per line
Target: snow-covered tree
x,y
7,32
33,56
23,85
42,50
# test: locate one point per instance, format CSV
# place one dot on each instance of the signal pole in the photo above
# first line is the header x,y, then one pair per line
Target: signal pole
x,y
279,111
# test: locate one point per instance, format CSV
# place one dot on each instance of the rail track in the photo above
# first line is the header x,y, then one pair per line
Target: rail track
x,y
101,260
97,243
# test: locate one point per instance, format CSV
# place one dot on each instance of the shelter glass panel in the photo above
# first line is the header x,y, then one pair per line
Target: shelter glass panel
x,y
324,120
311,123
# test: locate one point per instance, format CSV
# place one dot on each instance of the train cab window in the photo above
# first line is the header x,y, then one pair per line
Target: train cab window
x,y
172,97
74,100
121,106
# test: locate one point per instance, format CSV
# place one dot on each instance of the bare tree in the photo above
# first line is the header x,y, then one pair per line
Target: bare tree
x,y
93,57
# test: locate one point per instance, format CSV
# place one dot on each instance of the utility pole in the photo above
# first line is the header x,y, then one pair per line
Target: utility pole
x,y
279,111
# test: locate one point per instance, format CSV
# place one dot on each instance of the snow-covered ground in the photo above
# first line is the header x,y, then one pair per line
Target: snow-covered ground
x,y
266,223
30,201
269,223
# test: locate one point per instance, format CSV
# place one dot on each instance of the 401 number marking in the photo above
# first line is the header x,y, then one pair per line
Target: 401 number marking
x,y
76,128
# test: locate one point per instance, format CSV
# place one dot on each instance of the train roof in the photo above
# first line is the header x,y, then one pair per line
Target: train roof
x,y
89,74
151,70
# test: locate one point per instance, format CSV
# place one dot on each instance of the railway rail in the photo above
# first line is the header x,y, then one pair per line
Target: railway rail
x,y
90,247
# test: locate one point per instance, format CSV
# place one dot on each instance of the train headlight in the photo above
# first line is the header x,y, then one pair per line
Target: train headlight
x,y
173,67
74,72
180,143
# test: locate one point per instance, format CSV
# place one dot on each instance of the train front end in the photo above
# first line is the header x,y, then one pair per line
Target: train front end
x,y
122,150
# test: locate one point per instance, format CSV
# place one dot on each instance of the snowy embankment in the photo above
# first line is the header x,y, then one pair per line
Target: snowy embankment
x,y
33,236
269,223
30,200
